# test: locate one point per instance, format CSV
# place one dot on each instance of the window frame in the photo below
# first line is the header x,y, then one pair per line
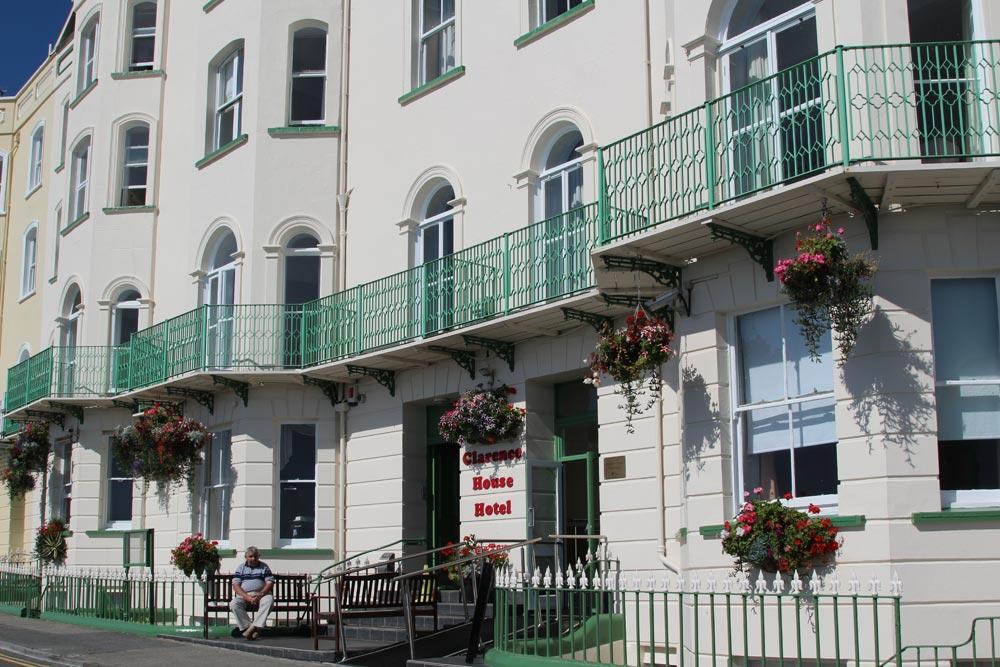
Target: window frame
x,y
29,267
4,161
225,488
828,503
540,14
89,45
36,158
80,179
147,33
308,74
56,242
964,498
221,104
292,543
64,458
116,312
108,480
425,35
125,187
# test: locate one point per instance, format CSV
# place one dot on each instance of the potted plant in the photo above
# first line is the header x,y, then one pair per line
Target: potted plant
x,y
160,446
470,546
633,356
50,543
828,286
28,456
196,555
771,536
482,416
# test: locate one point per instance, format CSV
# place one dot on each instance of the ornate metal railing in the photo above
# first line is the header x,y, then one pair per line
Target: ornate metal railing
x,y
928,101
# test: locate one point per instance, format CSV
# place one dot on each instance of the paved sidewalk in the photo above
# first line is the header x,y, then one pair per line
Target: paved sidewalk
x,y
50,642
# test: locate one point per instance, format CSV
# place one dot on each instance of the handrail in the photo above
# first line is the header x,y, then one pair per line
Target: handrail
x,y
470,559
403,541
389,561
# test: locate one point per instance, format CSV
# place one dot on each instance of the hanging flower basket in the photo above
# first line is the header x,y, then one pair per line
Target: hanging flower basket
x,y
27,457
196,555
160,446
482,417
770,536
828,286
470,546
633,356
50,543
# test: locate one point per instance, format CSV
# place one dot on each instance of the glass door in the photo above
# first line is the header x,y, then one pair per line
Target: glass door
x,y
561,190
436,243
220,295
543,492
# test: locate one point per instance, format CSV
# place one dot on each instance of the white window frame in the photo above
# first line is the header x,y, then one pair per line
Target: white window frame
x,y
29,260
292,543
55,243
108,479
141,33
4,161
79,179
426,34
224,487
968,498
63,139
36,158
116,309
543,18
308,74
88,54
64,461
438,221
828,503
125,185
224,103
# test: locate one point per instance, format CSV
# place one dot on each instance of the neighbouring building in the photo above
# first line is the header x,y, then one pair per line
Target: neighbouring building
x,y
316,246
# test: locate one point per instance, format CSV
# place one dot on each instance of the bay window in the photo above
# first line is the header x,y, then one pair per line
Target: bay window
x,y
228,99
135,166
79,175
143,37
436,39
308,85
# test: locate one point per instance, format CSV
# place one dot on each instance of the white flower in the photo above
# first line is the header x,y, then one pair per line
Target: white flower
x,y
724,534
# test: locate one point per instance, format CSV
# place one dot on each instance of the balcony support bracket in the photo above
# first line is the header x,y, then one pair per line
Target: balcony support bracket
x,y
595,320
74,410
132,405
634,301
41,415
761,250
665,274
868,210
464,358
502,349
328,387
242,389
203,398
385,378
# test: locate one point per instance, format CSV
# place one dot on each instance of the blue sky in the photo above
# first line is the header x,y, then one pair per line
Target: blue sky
x,y
27,29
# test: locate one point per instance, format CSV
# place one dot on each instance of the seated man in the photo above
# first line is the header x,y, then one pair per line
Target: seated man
x,y
252,584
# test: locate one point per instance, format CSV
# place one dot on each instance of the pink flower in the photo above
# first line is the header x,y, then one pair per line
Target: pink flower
x,y
841,230
759,490
819,228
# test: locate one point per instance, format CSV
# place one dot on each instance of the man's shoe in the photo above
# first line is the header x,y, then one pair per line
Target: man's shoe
x,y
254,633
248,633
236,632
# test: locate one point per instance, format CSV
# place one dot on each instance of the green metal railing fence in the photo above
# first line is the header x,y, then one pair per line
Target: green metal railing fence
x,y
604,620
979,649
137,598
927,101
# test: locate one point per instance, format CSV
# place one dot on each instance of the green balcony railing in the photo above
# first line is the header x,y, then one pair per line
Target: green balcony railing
x,y
928,101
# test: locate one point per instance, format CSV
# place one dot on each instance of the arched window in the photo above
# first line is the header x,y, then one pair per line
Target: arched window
x,y
143,41
88,55
71,312
79,179
219,295
308,85
135,165
302,269
776,122
35,157
436,233
24,354
227,97
561,180
125,316
29,261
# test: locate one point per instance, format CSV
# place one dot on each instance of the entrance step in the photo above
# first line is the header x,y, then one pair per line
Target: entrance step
x,y
451,661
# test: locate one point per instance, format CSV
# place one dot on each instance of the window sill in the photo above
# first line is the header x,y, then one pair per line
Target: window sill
x,y
25,297
121,210
222,151
140,74
433,84
846,521
304,131
76,223
53,279
227,553
60,167
294,551
956,516
83,94
104,533
27,195
549,26
210,5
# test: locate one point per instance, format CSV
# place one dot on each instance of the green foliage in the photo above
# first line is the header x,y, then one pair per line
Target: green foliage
x,y
50,542
196,554
482,416
161,446
28,456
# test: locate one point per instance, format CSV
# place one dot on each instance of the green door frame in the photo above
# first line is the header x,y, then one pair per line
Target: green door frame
x,y
591,460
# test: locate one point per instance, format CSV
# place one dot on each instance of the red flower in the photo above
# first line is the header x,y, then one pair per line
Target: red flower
x,y
787,496
813,509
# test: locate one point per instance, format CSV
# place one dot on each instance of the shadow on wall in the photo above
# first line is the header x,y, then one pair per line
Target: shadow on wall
x,y
701,420
891,391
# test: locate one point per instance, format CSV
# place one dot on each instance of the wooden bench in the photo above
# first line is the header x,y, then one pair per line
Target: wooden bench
x,y
291,595
378,595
